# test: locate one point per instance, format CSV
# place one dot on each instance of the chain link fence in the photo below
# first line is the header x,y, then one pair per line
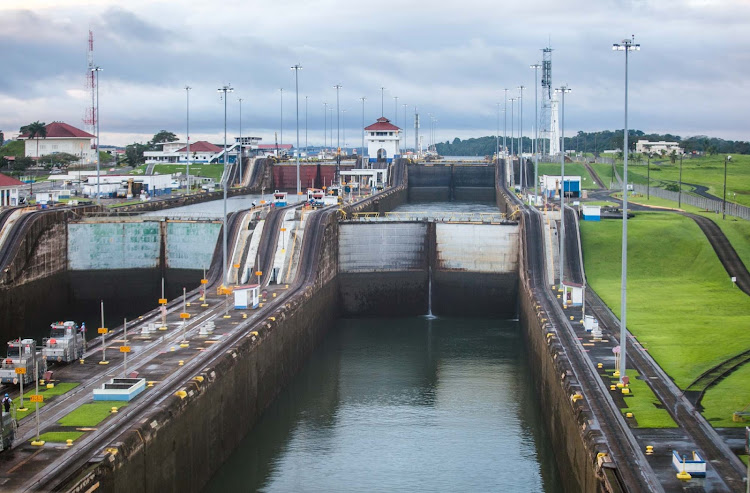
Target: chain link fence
x,y
703,203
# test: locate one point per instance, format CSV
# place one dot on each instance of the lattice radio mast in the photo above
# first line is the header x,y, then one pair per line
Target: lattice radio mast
x,y
90,118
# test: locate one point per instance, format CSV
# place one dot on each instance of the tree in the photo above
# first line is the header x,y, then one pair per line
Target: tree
x,y
63,159
105,157
35,130
134,153
163,136
673,156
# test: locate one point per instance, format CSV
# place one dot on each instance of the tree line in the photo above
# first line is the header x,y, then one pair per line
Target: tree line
x,y
595,143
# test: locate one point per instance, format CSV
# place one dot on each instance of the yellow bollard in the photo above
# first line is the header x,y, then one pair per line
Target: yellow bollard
x,y
180,363
69,442
599,365
649,449
628,415
113,410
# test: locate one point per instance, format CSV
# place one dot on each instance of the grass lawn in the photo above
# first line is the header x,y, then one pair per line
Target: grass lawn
x,y
744,458
736,230
707,171
59,436
571,169
605,172
726,397
58,389
681,306
642,403
91,414
208,170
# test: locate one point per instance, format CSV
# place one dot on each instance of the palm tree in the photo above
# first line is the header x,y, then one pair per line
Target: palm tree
x,y
35,130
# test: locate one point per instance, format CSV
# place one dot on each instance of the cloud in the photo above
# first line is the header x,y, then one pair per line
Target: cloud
x,y
448,60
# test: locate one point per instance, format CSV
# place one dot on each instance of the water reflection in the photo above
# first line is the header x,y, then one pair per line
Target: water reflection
x,y
402,405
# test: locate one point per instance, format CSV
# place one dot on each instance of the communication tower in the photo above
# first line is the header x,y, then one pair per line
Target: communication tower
x,y
417,146
90,117
547,120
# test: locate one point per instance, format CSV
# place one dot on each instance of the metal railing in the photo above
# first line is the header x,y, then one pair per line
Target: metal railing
x,y
703,203
447,217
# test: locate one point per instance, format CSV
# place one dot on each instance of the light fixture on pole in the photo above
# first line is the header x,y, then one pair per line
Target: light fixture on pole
x,y
404,105
343,129
536,68
497,135
512,120
281,116
187,130
296,69
224,90
724,201
562,90
240,143
521,163
627,45
325,124
395,120
363,99
96,70
382,92
306,152
338,136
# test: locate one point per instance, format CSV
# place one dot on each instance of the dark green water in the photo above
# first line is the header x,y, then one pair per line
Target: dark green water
x,y
402,405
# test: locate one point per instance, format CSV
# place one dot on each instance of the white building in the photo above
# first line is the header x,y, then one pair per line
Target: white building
x,y
109,184
648,147
9,190
383,140
201,152
62,137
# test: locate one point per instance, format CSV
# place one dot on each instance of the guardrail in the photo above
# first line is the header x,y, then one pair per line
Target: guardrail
x,y
704,203
447,217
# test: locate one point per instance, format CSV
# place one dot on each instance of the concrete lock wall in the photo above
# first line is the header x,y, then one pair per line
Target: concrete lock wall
x,y
141,245
445,182
383,268
191,245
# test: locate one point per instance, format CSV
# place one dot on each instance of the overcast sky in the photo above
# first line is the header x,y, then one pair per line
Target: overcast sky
x,y
451,59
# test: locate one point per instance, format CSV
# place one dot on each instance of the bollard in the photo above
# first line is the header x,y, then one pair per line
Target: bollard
x,y
649,449
628,415
181,362
599,365
113,410
69,442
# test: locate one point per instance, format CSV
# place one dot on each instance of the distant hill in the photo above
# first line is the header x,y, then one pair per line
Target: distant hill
x,y
595,142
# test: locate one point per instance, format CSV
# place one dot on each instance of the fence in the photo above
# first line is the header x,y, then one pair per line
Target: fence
x,y
703,203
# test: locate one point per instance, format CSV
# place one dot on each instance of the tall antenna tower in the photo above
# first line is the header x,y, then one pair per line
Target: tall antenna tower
x,y
545,116
90,117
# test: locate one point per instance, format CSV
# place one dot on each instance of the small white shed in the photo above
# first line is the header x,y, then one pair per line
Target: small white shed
x,y
246,297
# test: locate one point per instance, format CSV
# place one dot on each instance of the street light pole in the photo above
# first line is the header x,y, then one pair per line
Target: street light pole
x,y
325,124
240,100
497,135
405,141
96,70
679,194
338,132
187,129
562,91
627,45
281,117
520,139
536,68
363,99
296,69
306,153
512,131
395,120
224,90
382,92
724,201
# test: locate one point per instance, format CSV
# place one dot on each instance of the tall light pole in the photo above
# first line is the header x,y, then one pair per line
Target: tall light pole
x,y
325,124
296,69
505,122
224,90
96,70
536,68
382,92
512,121
240,154
520,137
562,90
395,120
404,105
724,201
679,194
338,131
306,153
281,116
497,135
627,45
187,131
343,127
363,99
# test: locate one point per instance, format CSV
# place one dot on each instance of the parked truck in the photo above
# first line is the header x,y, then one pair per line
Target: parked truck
x,y
66,343
20,361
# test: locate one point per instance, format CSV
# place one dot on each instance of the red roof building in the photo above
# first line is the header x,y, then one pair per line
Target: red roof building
x,y
9,189
9,181
382,124
62,137
201,146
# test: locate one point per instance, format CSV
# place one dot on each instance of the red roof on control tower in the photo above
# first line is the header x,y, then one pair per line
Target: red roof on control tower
x,y
382,123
